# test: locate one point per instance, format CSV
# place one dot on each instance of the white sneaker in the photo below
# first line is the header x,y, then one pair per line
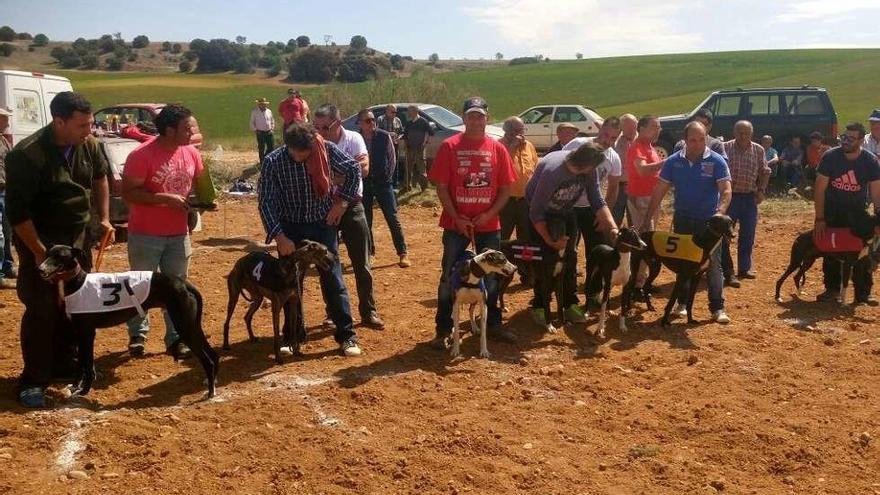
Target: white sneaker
x,y
720,317
680,310
350,348
286,350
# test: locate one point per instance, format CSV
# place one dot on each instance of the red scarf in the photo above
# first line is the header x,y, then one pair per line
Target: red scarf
x,y
318,166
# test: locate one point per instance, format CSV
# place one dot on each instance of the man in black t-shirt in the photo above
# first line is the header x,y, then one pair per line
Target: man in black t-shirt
x,y
846,178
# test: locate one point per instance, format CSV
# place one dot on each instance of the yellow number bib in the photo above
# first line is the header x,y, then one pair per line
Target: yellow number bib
x,y
678,246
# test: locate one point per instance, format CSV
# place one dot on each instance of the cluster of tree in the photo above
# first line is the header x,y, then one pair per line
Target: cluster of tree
x,y
356,64
85,54
7,34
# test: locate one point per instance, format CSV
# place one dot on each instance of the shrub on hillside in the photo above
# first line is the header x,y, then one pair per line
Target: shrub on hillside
x,y
185,66
71,60
114,63
523,60
190,55
396,62
58,53
23,36
41,40
166,46
434,58
140,41
6,49
106,44
314,66
303,41
244,66
197,45
358,42
132,57
357,69
7,34
91,62
176,48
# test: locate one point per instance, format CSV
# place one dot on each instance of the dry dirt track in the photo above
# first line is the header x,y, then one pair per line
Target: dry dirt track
x,y
784,400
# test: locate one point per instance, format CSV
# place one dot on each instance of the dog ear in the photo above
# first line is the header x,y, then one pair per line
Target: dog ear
x,y
77,252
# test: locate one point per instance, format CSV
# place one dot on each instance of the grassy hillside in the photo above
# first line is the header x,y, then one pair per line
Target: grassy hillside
x,y
651,84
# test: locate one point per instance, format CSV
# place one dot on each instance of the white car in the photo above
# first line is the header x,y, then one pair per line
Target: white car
x,y
541,122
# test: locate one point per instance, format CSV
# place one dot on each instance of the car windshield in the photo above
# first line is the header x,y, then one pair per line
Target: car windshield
x,y
443,116
117,153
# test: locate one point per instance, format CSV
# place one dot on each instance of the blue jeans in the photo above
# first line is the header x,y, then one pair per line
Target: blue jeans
x,y
618,210
169,255
5,238
332,284
682,224
454,246
744,211
384,195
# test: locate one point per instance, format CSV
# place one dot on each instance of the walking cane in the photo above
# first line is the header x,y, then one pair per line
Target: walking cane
x,y
105,241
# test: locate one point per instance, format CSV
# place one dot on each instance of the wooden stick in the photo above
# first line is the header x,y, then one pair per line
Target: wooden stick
x,y
105,241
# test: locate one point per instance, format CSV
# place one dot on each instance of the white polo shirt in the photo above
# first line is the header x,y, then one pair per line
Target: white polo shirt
x,y
610,167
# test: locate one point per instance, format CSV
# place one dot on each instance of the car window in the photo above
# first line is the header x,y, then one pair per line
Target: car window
x,y
539,115
28,111
568,114
442,116
762,105
804,104
145,116
727,106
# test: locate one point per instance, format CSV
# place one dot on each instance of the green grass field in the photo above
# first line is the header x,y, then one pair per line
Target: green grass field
x,y
663,84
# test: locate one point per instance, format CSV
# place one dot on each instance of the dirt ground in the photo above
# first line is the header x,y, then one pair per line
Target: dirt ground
x,y
783,400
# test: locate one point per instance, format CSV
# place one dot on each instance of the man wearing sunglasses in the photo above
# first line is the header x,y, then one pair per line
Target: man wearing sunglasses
x,y
847,177
353,225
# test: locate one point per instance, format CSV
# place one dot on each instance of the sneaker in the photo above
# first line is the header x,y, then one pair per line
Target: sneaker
x,y
574,314
350,348
7,283
136,346
404,261
32,397
732,281
440,342
328,322
869,300
720,316
680,310
749,275
828,295
539,317
495,332
373,321
178,350
286,350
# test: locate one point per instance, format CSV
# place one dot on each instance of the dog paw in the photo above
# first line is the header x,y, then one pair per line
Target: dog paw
x,y
600,333
484,354
779,299
551,329
505,309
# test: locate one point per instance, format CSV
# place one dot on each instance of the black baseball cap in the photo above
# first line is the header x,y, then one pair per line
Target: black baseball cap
x,y
476,104
875,116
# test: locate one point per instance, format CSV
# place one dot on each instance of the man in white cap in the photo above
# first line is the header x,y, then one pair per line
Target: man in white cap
x,y
263,125
6,232
872,140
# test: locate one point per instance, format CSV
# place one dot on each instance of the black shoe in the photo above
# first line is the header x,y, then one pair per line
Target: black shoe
x,y
869,300
828,295
501,335
373,321
136,346
749,275
440,342
732,281
178,350
636,295
10,273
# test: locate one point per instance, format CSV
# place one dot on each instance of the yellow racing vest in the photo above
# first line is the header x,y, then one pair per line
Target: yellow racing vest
x,y
678,246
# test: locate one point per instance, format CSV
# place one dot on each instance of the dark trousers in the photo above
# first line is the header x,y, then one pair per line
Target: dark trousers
x,y
332,285
48,348
7,261
618,210
265,143
586,222
400,168
862,279
744,211
356,235
454,246
383,194
682,224
558,227
515,215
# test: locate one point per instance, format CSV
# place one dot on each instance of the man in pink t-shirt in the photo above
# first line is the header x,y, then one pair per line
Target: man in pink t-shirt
x,y
156,182
473,173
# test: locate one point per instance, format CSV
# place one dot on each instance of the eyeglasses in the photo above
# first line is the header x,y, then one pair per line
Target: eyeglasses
x,y
368,120
846,138
325,128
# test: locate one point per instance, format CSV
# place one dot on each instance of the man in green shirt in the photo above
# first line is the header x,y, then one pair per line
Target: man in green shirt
x,y
51,178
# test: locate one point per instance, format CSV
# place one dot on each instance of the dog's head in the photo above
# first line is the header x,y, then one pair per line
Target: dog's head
x,y
720,225
314,253
492,261
629,240
59,259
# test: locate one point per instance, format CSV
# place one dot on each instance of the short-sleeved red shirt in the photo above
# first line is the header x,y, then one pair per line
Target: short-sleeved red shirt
x,y
640,185
473,170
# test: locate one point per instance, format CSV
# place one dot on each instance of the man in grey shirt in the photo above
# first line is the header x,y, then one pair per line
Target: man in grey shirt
x,y
416,134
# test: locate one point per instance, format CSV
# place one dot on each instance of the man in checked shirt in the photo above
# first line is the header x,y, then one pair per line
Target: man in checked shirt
x,y
296,203
749,177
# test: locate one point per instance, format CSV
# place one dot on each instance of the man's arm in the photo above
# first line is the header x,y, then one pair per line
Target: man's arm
x,y
613,189
819,203
657,196
101,197
874,188
493,211
253,121
726,192
463,224
391,157
133,191
644,168
28,235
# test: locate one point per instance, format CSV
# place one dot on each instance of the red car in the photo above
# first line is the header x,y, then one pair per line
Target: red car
x,y
115,118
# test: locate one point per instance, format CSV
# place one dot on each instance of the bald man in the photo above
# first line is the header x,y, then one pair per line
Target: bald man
x,y
515,213
628,133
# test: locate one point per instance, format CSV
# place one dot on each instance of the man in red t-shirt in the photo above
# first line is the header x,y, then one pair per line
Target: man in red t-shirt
x,y
293,109
642,166
156,181
473,173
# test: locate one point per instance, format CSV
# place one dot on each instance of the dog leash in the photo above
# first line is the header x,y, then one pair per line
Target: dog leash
x,y
105,241
470,234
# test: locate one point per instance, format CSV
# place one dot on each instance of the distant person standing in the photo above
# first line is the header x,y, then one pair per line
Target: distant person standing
x,y
390,123
772,158
872,140
628,132
156,182
417,132
293,109
6,281
515,214
815,150
565,132
263,125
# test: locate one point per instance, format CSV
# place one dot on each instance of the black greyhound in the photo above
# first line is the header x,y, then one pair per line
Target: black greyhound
x,y
687,256
604,270
179,298
262,275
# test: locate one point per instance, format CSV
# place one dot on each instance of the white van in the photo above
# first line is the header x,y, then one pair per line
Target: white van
x,y
28,94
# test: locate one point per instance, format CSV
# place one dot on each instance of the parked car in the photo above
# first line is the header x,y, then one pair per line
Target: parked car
x,y
116,151
444,122
109,119
28,94
779,112
541,122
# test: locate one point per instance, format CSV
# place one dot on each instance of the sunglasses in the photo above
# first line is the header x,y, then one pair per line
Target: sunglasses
x,y
846,138
325,128
368,120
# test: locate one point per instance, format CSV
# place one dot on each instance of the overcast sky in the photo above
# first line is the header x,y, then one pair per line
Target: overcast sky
x,y
458,29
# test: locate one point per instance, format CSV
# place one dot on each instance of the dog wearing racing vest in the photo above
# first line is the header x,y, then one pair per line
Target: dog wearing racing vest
x,y
102,300
846,245
686,255
525,257
263,276
469,289
608,266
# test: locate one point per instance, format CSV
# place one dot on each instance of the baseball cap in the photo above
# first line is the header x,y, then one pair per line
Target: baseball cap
x,y
476,104
875,116
6,111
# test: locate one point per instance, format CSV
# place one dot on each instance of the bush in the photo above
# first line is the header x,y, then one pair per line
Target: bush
x,y
7,34
41,40
58,53
190,55
523,60
303,41
132,57
90,62
434,58
79,44
114,63
579,55
6,49
357,69
140,41
197,45
244,66
23,36
166,46
358,42
106,44
185,66
314,66
176,48
275,70
71,60
396,62
291,46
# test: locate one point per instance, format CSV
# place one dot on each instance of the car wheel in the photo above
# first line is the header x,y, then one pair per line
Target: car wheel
x,y
663,150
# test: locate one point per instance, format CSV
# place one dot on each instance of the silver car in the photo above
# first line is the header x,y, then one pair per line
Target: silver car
x,y
444,122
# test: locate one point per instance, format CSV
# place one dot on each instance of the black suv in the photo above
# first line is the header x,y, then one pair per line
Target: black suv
x,y
779,112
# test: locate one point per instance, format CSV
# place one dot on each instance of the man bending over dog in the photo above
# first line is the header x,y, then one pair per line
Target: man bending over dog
x,y
473,173
50,177
702,188
296,203
558,182
846,176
